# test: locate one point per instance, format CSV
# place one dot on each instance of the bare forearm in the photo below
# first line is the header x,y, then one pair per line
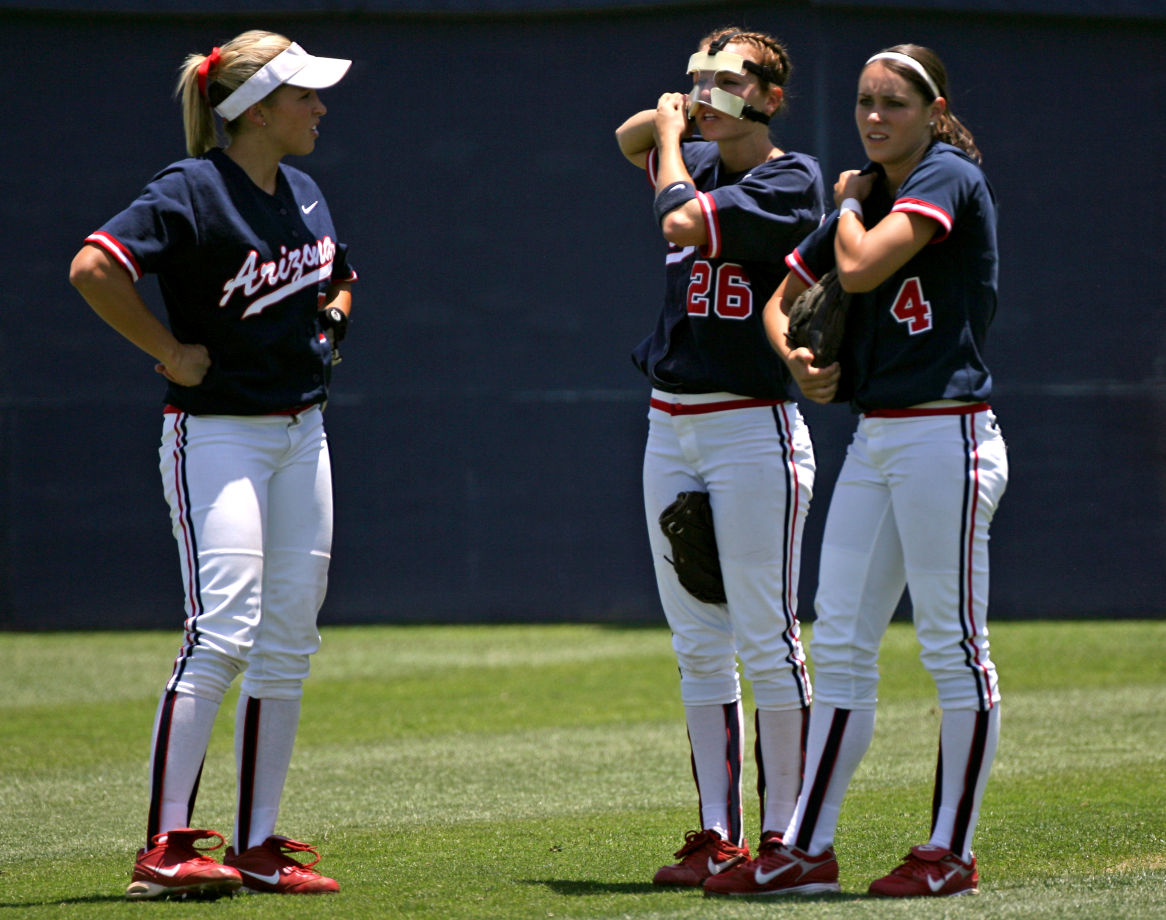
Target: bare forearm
x,y
110,292
637,136
684,225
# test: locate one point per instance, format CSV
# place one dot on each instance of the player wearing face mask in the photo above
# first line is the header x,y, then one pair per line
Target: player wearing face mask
x,y
721,422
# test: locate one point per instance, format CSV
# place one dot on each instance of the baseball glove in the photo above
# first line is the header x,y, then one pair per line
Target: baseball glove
x,y
688,525
817,319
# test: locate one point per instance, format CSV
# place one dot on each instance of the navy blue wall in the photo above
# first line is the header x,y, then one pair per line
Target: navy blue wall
x,y
487,424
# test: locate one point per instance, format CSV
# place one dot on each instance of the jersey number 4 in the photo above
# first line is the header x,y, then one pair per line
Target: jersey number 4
x,y
912,308
725,292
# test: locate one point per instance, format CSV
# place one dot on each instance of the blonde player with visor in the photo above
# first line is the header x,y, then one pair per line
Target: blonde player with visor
x,y
256,286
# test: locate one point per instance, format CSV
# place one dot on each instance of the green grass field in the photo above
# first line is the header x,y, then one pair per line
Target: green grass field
x,y
542,772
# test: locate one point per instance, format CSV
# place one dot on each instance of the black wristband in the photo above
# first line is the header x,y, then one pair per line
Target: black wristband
x,y
677,194
335,320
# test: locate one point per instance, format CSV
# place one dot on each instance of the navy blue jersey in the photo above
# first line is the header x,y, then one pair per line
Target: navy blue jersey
x,y
919,336
243,273
709,337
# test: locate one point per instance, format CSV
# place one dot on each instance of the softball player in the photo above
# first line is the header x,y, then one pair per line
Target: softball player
x,y
915,240
720,421
257,291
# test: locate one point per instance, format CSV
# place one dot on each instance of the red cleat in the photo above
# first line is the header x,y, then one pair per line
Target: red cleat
x,y
267,868
704,854
929,871
779,869
174,868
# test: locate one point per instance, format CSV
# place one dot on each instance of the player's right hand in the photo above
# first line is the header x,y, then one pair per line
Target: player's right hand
x,y
818,384
853,183
189,366
671,119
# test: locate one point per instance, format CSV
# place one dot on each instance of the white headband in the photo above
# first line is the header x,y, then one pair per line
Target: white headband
x,y
293,66
910,62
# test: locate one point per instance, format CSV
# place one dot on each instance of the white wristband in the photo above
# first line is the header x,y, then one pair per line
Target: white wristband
x,y
851,204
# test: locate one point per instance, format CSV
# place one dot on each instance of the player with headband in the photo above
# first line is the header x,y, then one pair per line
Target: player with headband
x,y
914,241
257,290
729,204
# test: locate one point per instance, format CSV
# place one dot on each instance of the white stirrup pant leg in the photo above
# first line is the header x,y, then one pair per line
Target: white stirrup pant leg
x,y
251,510
181,733
838,740
265,732
297,550
757,466
955,470
913,504
967,747
861,579
860,582
702,638
947,476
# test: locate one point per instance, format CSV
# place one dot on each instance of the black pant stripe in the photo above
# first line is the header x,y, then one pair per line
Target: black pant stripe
x,y
821,781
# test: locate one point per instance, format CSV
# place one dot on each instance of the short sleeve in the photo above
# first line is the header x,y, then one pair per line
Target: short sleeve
x,y
814,256
144,236
762,214
937,189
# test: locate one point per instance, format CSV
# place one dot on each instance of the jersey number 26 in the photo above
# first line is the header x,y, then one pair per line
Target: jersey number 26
x,y
725,293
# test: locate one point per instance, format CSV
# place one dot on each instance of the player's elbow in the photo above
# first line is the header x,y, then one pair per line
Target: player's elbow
x,y
681,229
84,269
93,271
855,279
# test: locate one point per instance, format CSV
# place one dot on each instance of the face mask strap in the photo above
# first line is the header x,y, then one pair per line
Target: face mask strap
x,y
724,101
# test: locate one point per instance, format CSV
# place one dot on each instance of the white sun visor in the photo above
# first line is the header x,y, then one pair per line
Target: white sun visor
x,y
706,69
293,66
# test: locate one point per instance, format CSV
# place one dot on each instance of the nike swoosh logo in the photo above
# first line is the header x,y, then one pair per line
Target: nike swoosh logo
x,y
936,883
309,208
764,878
270,879
716,868
169,873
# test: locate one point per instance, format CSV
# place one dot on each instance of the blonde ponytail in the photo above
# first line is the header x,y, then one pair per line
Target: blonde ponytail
x,y
223,71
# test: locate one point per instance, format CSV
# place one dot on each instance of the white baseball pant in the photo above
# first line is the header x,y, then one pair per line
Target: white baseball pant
x,y
755,459
251,508
912,507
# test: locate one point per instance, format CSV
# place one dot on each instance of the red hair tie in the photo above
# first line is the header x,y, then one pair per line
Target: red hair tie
x,y
204,69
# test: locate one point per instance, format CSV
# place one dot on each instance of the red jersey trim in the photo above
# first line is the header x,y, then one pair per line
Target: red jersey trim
x,y
797,265
712,248
969,409
120,254
170,409
702,408
926,209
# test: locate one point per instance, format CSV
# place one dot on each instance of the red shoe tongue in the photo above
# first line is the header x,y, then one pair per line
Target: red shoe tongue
x,y
929,852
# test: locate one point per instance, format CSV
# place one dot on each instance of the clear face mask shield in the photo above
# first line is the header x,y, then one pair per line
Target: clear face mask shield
x,y
708,68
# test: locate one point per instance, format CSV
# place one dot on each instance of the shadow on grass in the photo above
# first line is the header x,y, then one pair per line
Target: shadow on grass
x,y
576,888
581,888
188,898
54,902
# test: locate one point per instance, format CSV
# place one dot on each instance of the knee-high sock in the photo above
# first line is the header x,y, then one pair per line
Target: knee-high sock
x,y
967,746
838,740
265,733
780,750
715,735
182,730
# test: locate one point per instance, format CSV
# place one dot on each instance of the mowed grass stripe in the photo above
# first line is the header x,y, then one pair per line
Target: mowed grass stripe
x,y
513,772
